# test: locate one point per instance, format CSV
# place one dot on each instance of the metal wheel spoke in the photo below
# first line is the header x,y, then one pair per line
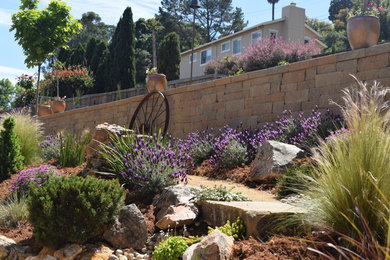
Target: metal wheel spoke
x,y
151,115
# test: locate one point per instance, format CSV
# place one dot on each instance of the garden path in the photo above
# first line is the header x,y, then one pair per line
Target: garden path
x,y
252,194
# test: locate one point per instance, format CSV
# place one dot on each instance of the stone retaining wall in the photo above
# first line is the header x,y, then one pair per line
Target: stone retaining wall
x,y
252,98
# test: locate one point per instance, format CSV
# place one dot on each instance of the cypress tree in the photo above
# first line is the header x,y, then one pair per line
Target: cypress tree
x,y
77,57
122,53
10,155
89,51
97,56
169,56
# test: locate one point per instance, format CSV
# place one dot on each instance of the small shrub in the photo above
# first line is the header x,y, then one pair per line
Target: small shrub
x,y
72,148
170,249
30,134
146,164
198,145
50,147
10,155
294,180
72,209
13,210
218,193
229,148
33,176
236,230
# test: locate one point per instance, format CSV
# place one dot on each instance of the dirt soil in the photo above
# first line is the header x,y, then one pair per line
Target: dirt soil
x,y
274,249
252,194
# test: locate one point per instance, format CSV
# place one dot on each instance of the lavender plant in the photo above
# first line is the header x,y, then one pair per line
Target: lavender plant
x,y
198,145
50,147
33,176
235,146
146,164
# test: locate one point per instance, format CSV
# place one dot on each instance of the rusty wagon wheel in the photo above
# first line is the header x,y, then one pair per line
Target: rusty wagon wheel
x,y
151,115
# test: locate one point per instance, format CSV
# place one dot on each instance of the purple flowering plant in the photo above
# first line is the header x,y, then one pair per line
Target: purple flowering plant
x,y
264,54
198,145
235,146
152,163
50,147
33,176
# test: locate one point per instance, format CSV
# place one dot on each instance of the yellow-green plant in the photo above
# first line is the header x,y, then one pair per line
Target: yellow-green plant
x,y
236,230
346,164
170,249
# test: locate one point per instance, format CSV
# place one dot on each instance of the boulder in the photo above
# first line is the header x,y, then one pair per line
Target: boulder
x,y
175,195
129,229
9,249
174,207
216,246
69,252
101,134
5,245
273,157
95,252
177,216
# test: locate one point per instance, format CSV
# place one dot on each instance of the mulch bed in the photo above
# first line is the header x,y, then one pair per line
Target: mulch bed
x,y
275,248
240,174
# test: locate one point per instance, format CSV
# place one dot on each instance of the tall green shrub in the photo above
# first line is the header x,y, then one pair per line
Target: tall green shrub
x,y
10,155
72,209
169,56
346,164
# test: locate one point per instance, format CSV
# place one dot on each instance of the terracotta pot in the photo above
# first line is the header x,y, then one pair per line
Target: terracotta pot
x,y
156,82
58,106
363,31
44,110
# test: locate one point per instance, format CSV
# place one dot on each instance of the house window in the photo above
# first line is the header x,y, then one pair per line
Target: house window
x,y
306,40
273,34
256,36
237,46
195,57
225,47
205,56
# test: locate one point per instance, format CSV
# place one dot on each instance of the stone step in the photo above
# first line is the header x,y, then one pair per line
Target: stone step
x,y
256,215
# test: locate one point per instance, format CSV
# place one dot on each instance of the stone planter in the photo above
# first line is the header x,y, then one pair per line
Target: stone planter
x,y
156,82
44,110
58,106
363,31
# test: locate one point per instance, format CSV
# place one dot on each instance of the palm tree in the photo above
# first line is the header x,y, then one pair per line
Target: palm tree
x,y
273,2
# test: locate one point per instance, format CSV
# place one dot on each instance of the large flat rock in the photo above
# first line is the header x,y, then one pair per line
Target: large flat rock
x,y
256,215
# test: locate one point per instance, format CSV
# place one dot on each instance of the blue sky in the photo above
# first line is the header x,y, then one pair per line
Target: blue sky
x,y
11,54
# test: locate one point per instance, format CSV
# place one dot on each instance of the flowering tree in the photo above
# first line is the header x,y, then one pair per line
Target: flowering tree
x,y
69,80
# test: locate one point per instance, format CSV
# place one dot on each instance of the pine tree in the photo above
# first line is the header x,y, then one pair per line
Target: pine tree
x,y
169,56
122,54
10,155
77,57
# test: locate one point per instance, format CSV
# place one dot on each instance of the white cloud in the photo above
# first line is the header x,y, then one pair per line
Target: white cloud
x,y
111,11
5,17
13,73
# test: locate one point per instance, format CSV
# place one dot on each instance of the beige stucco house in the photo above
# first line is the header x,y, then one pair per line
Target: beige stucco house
x,y
291,26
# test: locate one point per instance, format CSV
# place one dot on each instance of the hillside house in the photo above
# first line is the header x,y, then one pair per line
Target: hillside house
x,y
291,26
